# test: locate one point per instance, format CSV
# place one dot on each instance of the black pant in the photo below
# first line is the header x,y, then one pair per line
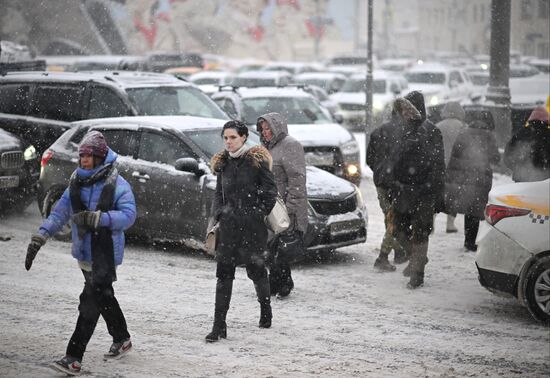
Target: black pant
x,y
471,227
96,300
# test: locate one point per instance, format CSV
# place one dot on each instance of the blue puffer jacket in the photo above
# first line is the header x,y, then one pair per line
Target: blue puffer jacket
x,y
119,219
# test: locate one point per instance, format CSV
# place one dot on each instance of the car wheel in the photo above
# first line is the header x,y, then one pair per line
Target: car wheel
x,y
536,289
65,233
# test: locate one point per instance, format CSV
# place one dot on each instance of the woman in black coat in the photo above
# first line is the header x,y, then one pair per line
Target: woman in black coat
x,y
245,194
469,174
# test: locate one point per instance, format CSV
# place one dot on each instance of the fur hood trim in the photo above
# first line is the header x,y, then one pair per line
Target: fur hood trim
x,y
256,155
406,109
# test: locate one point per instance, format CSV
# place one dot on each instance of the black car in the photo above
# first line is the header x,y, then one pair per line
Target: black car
x,y
165,160
18,173
39,106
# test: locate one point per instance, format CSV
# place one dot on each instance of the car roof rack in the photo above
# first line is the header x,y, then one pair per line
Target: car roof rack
x,y
232,88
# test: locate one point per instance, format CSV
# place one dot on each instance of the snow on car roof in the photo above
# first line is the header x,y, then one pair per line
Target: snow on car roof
x,y
181,123
210,74
430,67
318,75
273,92
263,74
124,78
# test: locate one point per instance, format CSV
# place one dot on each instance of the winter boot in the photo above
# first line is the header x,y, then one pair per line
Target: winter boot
x,y
416,265
68,365
287,284
264,297
400,256
118,350
451,228
223,298
383,264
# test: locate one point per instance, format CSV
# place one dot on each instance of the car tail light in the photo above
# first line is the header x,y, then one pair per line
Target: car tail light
x,y
46,156
494,213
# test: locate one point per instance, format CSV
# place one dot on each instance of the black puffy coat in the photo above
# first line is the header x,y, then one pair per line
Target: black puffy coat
x,y
418,162
469,175
245,194
527,154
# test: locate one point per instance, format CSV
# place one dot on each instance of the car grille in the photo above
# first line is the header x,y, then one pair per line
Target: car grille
x,y
334,207
353,107
11,160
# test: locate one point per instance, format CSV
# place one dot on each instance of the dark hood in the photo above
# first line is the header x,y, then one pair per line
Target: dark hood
x,y
417,99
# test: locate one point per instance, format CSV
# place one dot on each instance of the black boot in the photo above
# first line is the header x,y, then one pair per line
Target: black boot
x,y
400,256
264,297
223,298
383,264
287,284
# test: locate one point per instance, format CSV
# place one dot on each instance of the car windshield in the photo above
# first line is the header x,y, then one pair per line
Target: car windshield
x,y
210,141
174,101
296,110
253,82
426,77
359,85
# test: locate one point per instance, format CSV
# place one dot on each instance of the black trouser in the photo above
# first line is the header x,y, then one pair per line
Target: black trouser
x,y
471,227
96,300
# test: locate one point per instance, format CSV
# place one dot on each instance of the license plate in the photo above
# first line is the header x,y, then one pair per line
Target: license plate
x,y
9,181
340,228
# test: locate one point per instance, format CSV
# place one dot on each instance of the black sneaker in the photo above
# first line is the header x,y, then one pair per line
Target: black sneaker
x,y
68,365
118,350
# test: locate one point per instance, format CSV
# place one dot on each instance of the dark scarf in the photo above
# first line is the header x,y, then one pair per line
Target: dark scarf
x,y
103,258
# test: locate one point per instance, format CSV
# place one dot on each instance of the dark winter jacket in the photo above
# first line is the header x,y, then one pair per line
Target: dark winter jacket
x,y
527,154
384,140
289,169
245,194
419,163
469,174
119,219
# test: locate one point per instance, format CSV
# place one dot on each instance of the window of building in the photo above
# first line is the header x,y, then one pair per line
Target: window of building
x,y
526,10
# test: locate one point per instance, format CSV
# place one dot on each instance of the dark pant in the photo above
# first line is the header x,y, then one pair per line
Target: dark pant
x,y
96,300
471,227
389,242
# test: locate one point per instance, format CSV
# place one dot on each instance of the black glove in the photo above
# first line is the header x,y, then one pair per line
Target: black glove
x,y
89,219
37,241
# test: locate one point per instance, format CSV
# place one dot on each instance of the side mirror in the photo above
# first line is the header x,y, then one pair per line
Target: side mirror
x,y
188,165
338,118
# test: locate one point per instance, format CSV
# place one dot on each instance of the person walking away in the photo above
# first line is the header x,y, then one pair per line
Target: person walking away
x,y
245,195
451,125
101,206
418,172
469,174
527,153
289,169
383,141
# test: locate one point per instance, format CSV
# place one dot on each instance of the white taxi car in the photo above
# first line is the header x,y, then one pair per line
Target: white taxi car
x,y
513,255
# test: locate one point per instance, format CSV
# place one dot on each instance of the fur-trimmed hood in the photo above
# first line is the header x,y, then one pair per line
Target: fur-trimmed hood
x,y
256,155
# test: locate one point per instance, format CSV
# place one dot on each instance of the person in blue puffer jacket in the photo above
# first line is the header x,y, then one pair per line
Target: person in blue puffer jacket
x,y
101,206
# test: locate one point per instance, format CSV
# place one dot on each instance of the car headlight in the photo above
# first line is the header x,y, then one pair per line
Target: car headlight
x,y
377,106
352,169
434,101
30,153
350,148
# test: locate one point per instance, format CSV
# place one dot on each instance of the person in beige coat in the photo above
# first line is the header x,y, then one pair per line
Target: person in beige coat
x,y
289,169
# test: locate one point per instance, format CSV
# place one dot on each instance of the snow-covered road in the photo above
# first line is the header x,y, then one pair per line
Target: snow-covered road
x,y
343,318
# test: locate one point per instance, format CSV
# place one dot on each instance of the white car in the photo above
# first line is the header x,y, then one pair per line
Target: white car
x,y
513,255
439,84
293,68
351,98
209,81
262,79
330,81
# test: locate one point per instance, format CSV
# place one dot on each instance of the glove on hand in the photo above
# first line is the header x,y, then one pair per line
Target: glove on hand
x,y
37,241
88,219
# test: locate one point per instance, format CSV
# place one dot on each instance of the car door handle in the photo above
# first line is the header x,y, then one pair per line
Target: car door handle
x,y
140,177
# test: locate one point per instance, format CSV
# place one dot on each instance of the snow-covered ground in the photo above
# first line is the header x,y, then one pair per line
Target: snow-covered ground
x,y
343,318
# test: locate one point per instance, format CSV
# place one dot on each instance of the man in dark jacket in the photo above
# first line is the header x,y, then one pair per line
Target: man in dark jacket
x,y
383,141
101,205
418,171
289,169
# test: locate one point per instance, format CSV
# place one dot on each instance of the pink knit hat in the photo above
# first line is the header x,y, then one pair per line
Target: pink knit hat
x,y
94,144
538,114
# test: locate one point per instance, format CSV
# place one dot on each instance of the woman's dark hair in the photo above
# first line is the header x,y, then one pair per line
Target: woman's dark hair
x,y
238,126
